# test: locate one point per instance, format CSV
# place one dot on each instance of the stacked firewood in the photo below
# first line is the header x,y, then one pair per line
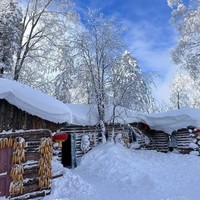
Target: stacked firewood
x,y
17,171
195,141
6,142
45,163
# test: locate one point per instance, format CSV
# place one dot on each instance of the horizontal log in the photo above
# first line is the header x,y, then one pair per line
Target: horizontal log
x,y
30,135
37,194
32,156
31,188
30,171
31,176
30,181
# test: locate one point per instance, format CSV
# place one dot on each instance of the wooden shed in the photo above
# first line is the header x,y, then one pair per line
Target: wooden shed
x,y
27,119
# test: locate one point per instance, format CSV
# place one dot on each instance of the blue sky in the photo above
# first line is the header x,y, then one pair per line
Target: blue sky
x,y
150,35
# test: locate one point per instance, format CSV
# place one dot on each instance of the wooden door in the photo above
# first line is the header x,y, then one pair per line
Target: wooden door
x,y
5,167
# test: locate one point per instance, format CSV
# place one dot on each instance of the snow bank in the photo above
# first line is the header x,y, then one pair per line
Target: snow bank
x,y
69,187
34,101
111,171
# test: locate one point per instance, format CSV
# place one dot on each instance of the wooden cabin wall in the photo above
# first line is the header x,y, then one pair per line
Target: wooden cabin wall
x,y
76,133
13,118
187,140
159,141
30,165
183,139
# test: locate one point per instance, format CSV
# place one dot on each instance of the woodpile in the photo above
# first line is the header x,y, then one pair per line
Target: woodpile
x,y
188,140
45,163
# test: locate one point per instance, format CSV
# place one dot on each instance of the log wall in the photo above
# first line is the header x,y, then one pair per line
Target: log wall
x,y
146,138
159,141
13,118
30,165
76,133
187,141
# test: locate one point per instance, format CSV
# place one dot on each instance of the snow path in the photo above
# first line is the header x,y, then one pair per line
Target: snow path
x,y
112,172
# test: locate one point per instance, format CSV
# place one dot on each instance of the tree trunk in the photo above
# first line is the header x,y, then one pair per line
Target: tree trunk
x,y
103,131
178,101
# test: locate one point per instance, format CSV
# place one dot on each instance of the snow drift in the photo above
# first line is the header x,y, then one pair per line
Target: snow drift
x,y
111,171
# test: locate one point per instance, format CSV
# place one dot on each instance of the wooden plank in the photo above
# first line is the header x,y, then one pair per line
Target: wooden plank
x,y
37,194
32,156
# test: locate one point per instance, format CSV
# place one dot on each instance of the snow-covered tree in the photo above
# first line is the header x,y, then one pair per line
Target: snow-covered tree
x,y
43,23
187,23
131,88
99,45
185,92
10,31
179,91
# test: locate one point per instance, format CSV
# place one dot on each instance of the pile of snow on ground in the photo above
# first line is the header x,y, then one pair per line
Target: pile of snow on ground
x,y
111,171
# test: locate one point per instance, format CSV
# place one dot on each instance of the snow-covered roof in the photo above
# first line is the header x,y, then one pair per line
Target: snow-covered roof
x,y
174,120
166,121
84,114
34,102
37,103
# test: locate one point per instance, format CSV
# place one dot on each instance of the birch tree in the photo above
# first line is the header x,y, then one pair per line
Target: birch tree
x,y
99,46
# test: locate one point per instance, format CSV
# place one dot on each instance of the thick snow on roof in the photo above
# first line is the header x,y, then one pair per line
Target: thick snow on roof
x,y
34,102
46,107
166,121
84,114
174,120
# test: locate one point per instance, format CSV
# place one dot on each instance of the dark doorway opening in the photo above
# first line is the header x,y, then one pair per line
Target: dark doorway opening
x,y
66,152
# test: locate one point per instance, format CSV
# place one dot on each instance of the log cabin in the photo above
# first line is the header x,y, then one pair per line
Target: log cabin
x,y
27,118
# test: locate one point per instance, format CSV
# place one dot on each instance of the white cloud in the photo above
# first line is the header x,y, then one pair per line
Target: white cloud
x,y
153,52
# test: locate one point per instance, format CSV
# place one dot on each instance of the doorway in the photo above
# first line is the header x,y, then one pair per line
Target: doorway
x,y
66,152
5,168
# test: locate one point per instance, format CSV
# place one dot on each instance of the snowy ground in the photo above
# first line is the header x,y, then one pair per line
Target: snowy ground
x,y
112,172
